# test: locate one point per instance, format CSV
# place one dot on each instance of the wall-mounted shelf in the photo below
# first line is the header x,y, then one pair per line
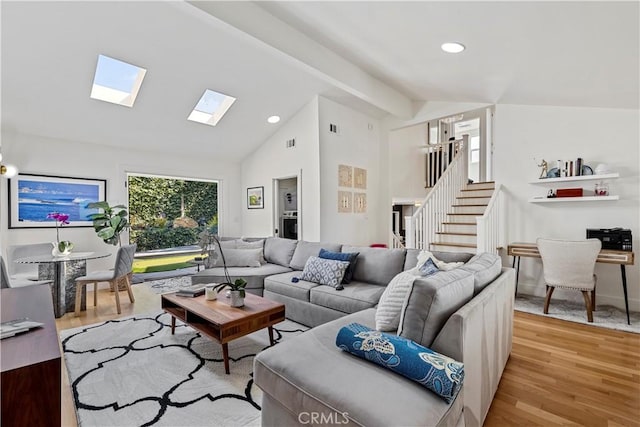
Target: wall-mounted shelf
x,y
576,178
573,199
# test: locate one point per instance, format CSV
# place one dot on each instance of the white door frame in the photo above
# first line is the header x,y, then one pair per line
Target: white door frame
x,y
275,213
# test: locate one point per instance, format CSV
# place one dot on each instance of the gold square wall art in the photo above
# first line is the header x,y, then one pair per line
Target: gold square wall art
x,y
360,178
345,202
360,202
345,176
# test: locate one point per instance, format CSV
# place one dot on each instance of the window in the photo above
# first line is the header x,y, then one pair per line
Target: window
x,y
211,108
116,81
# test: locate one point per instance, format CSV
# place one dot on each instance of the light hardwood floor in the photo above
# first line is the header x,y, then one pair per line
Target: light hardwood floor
x,y
559,373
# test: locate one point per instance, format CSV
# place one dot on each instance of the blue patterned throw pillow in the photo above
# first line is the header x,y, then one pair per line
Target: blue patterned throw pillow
x,y
351,257
438,373
324,271
428,268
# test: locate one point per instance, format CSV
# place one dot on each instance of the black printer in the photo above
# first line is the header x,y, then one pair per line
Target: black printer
x,y
612,238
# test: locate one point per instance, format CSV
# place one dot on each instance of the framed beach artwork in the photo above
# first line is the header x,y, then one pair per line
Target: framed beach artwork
x,y
255,198
32,197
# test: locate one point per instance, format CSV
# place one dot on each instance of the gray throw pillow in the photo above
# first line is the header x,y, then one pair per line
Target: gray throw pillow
x,y
256,244
324,271
485,267
279,251
431,301
239,258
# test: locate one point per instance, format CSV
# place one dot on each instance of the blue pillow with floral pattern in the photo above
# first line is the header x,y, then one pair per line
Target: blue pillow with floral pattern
x,y
436,372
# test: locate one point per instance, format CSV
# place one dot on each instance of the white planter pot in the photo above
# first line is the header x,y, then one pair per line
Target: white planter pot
x,y
236,299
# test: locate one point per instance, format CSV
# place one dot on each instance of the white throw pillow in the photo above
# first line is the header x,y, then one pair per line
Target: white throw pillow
x,y
423,256
390,305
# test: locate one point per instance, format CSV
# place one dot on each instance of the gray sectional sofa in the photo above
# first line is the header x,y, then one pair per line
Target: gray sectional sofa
x,y
466,314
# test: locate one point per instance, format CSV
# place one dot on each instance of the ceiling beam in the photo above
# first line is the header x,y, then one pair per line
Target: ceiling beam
x,y
306,52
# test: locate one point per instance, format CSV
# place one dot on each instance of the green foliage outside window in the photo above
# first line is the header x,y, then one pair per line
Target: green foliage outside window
x,y
154,203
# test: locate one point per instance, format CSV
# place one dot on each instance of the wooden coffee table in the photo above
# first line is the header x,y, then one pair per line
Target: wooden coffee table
x,y
218,320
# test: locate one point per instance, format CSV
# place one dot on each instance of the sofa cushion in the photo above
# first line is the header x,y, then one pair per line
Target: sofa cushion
x,y
350,257
355,297
375,265
279,251
253,275
431,301
392,300
310,373
324,271
305,249
438,373
239,258
281,284
485,267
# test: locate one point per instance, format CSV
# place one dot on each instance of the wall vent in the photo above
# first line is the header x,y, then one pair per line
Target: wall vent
x,y
291,143
333,128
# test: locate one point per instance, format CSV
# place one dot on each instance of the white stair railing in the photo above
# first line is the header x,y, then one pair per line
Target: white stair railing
x,y
421,229
491,226
396,240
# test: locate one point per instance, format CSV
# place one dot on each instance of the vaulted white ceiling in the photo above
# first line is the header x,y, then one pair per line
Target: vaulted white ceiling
x,y
380,57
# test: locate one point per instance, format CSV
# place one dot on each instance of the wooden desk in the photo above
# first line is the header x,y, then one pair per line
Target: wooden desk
x,y
30,361
606,256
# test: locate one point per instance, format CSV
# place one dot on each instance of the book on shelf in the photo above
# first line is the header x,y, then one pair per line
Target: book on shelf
x,y
17,326
191,291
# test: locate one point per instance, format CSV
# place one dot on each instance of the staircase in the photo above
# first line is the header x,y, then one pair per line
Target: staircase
x,y
458,233
457,216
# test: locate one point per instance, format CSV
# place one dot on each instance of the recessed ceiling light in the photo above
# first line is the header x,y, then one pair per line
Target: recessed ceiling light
x,y
116,81
211,107
273,119
452,47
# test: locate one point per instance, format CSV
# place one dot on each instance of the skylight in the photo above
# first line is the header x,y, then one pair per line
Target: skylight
x,y
211,108
116,81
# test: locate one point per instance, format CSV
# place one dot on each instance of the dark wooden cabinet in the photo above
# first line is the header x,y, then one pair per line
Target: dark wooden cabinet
x,y
31,361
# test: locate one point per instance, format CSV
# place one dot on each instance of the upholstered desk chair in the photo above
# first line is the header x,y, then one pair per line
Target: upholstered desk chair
x,y
121,273
26,271
8,282
570,265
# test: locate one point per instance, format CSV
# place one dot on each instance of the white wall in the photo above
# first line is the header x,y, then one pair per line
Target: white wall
x,y
41,155
357,144
598,136
273,160
407,162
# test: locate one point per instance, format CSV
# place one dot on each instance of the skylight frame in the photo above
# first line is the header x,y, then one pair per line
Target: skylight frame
x,y
211,107
122,81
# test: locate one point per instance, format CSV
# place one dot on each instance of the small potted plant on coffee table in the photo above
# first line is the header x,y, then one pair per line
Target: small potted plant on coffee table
x,y
237,292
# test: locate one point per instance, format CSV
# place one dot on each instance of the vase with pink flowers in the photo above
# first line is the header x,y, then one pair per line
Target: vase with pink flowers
x,y
60,247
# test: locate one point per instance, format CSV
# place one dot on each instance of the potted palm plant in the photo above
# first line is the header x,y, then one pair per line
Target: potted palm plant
x,y
208,244
109,223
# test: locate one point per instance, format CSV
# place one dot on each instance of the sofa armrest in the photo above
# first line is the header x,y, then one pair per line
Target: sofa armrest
x,y
480,335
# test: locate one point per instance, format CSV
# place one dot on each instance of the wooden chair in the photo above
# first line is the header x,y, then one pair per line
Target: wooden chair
x,y
570,265
121,273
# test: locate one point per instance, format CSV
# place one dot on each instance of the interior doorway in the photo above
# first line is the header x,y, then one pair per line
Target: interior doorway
x,y
286,206
476,124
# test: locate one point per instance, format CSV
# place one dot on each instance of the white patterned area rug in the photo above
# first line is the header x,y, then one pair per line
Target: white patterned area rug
x,y
172,284
133,372
605,316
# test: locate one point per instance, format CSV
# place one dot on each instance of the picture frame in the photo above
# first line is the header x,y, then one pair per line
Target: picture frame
x,y
33,196
255,198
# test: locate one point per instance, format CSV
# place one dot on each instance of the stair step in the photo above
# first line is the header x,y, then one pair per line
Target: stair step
x,y
467,214
456,237
456,234
473,197
482,185
457,245
457,206
453,247
476,192
458,223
